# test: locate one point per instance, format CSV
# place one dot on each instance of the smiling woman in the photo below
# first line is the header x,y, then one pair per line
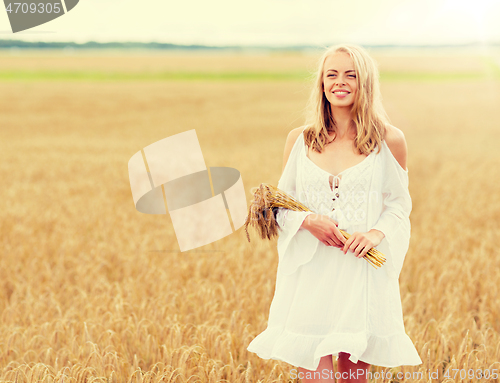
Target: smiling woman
x,y
348,166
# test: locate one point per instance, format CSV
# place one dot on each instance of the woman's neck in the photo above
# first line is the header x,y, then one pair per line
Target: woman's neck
x,y
343,122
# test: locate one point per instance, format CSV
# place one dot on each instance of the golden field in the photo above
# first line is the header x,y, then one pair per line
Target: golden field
x,y
91,290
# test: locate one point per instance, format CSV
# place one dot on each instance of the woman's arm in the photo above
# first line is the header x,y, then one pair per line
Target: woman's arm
x,y
296,247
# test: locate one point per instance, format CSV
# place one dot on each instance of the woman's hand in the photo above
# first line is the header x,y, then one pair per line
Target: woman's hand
x,y
325,229
361,243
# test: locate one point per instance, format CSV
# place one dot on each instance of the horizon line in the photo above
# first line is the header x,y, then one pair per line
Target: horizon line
x,y
153,45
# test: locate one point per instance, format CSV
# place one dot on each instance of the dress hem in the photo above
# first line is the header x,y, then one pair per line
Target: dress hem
x,y
306,351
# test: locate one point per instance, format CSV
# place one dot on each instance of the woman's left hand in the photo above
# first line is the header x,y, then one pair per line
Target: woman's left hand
x,y
361,243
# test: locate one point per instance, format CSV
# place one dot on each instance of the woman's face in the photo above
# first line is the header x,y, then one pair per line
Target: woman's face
x,y
339,80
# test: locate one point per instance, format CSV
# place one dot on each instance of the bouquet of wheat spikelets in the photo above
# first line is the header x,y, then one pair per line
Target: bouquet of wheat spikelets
x,y
261,215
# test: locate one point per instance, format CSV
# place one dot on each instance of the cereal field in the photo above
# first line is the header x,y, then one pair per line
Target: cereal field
x,y
93,291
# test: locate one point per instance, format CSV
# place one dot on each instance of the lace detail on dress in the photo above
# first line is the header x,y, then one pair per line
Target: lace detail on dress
x,y
315,182
348,202
355,194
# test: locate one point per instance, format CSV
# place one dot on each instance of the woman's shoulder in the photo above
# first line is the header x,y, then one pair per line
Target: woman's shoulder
x,y
292,138
294,134
396,142
290,142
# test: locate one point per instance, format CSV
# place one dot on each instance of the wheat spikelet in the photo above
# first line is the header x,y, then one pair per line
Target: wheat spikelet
x,y
262,216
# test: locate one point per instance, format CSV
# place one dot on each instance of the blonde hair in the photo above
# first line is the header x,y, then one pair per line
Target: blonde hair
x,y
368,114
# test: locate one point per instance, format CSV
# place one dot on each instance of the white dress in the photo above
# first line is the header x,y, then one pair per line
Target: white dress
x,y
325,301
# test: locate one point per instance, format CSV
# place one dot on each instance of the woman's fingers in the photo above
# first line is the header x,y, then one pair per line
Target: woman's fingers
x,y
347,243
355,247
365,250
359,250
357,244
339,237
332,241
351,243
335,237
337,241
326,230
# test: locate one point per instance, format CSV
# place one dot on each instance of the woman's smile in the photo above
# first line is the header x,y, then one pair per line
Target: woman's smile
x,y
341,93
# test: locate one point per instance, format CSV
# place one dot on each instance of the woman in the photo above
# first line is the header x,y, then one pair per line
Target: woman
x,y
348,165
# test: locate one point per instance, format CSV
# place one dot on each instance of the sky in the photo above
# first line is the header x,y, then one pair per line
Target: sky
x,y
272,22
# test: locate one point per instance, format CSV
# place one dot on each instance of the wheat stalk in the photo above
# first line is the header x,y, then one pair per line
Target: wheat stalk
x,y
261,215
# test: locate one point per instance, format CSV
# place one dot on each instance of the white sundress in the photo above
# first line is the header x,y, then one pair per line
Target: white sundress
x,y
325,301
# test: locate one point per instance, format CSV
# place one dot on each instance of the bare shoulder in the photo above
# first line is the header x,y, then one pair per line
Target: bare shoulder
x,y
290,141
396,142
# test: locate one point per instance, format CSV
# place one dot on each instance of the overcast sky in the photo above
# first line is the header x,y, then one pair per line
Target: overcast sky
x,y
272,22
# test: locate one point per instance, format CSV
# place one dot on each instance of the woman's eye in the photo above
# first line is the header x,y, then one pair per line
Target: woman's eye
x,y
352,76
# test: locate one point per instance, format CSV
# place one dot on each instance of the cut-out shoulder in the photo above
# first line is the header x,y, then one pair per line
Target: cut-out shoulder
x,y
290,141
396,142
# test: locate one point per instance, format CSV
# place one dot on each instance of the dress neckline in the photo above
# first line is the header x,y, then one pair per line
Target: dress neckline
x,y
323,170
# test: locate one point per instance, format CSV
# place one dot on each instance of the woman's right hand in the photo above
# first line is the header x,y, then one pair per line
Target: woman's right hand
x,y
325,229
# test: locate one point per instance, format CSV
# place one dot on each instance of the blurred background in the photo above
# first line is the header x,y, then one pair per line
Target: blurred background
x,y
93,291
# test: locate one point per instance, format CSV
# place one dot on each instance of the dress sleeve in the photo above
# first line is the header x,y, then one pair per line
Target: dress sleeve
x,y
394,220
296,246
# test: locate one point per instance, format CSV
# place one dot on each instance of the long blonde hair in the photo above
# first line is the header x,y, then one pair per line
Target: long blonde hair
x,y
368,114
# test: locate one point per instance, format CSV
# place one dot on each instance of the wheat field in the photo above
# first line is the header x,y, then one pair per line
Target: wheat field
x,y
91,290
